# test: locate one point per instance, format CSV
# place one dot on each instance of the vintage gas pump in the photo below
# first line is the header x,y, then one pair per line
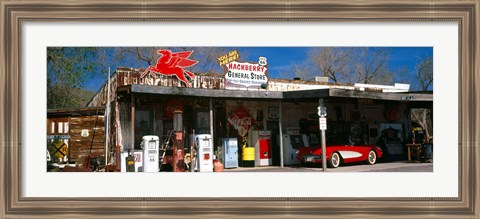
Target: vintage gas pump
x,y
178,151
205,152
150,146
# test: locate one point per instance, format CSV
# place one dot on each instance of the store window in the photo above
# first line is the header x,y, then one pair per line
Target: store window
x,y
143,125
66,127
202,122
60,127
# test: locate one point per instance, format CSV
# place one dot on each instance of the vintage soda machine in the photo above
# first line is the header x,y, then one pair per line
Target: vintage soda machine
x,y
204,152
230,152
150,146
292,141
263,147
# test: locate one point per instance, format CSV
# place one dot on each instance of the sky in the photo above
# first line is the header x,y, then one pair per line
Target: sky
x,y
280,58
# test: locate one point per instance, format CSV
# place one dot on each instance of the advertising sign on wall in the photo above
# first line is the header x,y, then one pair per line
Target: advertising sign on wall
x,y
241,120
245,75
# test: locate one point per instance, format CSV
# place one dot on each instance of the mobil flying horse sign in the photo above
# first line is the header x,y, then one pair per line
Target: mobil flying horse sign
x,y
172,64
246,75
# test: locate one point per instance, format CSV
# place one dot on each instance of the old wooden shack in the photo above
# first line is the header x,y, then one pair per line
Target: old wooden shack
x,y
81,133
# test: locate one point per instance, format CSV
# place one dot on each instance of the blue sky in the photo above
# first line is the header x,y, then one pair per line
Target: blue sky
x,y
280,58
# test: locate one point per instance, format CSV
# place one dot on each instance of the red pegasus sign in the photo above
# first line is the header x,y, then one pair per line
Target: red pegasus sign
x,y
172,64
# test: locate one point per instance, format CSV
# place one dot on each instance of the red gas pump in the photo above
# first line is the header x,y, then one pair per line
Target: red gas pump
x,y
178,151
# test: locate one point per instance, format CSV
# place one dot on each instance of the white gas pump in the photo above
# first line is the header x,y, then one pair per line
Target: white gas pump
x,y
204,153
150,146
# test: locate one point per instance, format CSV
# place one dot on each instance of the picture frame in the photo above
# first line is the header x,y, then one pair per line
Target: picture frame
x,y
14,13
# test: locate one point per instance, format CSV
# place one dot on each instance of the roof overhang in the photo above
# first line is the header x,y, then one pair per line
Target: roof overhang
x,y
86,111
279,95
356,94
197,92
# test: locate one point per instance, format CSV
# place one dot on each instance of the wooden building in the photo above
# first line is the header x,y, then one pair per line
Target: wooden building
x,y
143,106
74,134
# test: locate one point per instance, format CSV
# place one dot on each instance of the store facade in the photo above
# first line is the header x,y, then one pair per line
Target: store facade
x,y
282,112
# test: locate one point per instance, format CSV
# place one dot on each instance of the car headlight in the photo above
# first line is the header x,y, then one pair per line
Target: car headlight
x,y
297,151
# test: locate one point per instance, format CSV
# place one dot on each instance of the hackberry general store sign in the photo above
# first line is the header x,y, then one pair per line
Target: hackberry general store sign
x,y
245,75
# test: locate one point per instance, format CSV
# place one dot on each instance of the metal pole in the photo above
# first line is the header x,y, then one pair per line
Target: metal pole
x,y
324,152
132,125
322,112
192,147
280,131
107,132
211,121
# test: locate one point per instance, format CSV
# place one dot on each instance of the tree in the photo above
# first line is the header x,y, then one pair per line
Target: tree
x,y
333,62
424,72
69,67
67,70
424,75
371,65
346,65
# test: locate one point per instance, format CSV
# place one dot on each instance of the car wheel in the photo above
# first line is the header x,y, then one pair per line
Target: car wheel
x,y
334,161
372,157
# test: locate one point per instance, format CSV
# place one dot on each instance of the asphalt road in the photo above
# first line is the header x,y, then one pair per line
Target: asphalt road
x,y
400,166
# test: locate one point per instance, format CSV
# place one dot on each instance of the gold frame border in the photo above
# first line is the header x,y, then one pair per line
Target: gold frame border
x,y
13,13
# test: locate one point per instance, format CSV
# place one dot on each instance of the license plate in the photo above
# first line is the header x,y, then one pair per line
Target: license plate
x,y
309,159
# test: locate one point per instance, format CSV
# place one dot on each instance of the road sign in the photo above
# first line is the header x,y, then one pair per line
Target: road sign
x,y
49,137
323,123
58,148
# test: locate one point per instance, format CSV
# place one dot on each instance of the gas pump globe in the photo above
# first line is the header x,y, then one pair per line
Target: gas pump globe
x,y
178,151
177,121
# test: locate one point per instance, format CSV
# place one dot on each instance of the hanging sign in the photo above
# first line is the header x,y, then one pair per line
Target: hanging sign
x,y
172,64
241,120
245,75
227,58
323,123
49,137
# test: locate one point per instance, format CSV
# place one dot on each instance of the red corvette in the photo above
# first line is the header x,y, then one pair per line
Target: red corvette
x,y
338,154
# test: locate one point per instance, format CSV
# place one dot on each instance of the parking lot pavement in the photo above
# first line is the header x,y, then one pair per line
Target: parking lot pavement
x,y
400,166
